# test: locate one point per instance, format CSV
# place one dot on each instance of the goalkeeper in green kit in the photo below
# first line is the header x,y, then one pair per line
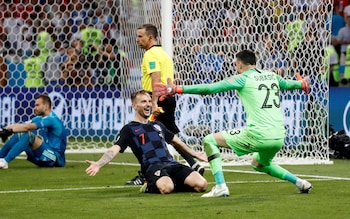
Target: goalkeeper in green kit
x,y
259,91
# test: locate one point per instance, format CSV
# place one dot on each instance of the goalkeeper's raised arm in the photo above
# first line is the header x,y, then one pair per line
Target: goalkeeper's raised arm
x,y
236,82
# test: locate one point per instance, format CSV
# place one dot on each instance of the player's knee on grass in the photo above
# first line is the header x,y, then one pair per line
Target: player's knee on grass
x,y
201,185
197,182
165,185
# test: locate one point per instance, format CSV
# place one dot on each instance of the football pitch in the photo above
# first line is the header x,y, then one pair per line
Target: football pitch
x,y
27,191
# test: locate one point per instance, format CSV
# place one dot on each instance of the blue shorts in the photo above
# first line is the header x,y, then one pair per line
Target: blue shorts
x,y
44,156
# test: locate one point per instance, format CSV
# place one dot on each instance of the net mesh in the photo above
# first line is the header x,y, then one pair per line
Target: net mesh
x,y
84,54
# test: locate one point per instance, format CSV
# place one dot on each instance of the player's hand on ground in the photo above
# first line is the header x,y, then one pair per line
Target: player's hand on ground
x,y
93,169
202,156
305,83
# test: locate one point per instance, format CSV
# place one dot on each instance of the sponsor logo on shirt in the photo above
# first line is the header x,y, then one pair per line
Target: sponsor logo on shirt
x,y
137,130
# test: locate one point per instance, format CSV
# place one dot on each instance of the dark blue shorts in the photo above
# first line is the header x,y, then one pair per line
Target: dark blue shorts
x,y
177,172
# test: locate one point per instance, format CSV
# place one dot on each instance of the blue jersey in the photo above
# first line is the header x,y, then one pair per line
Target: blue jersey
x,y
147,142
53,132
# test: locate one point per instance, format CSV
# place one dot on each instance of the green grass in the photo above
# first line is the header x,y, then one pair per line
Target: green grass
x,y
27,191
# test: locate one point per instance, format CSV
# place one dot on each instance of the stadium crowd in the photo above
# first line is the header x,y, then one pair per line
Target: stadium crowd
x,y
63,42
85,43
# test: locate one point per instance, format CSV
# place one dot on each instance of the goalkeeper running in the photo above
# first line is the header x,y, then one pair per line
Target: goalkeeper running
x,y
259,91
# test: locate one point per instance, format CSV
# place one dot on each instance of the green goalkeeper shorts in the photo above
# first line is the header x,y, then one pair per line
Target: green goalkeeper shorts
x,y
242,143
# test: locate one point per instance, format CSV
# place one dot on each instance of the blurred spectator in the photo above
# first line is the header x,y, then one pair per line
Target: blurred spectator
x,y
102,18
62,27
347,10
76,72
232,21
34,76
343,38
113,66
78,15
45,44
208,67
270,56
78,45
214,17
296,28
52,65
12,26
28,32
337,22
346,77
91,36
192,27
3,11
305,59
332,66
3,72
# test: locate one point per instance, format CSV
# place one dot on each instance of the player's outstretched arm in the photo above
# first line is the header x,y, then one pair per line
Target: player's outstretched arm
x,y
305,83
95,167
182,146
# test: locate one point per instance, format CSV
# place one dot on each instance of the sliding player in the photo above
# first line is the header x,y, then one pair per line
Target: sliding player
x,y
148,141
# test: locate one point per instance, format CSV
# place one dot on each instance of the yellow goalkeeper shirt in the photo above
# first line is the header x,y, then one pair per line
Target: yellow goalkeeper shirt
x,y
156,60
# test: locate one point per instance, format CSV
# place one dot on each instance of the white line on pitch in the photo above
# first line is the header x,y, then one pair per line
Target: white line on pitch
x,y
235,171
63,189
136,187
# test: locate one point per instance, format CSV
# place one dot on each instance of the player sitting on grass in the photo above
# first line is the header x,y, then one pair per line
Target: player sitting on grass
x,y
46,150
147,140
264,135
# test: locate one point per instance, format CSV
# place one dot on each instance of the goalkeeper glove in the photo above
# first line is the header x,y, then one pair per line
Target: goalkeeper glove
x,y
5,133
153,117
162,90
305,83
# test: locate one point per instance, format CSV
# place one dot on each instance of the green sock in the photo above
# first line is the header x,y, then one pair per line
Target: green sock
x,y
278,172
214,158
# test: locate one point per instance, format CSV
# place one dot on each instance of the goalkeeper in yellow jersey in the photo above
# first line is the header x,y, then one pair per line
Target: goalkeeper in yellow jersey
x,y
259,91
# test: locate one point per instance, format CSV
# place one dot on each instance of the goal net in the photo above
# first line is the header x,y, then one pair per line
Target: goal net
x,y
59,47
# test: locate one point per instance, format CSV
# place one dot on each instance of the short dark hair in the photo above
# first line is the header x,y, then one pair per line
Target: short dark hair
x,y
247,57
150,30
138,92
46,99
